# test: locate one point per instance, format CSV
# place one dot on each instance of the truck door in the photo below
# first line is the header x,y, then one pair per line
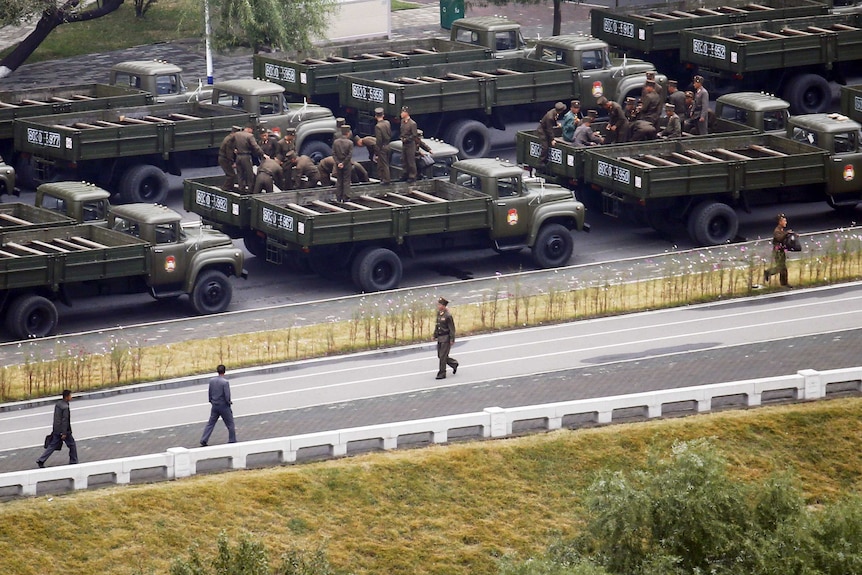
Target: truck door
x,y
845,172
169,257
593,79
512,210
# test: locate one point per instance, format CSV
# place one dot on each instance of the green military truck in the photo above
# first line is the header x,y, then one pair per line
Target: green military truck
x,y
161,79
142,248
484,203
653,31
17,216
700,181
7,179
313,74
851,102
500,35
795,57
738,113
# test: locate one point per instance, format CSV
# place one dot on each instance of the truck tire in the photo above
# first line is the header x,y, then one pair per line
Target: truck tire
x,y
31,316
144,183
553,247
808,94
316,150
471,137
212,292
376,269
712,223
255,244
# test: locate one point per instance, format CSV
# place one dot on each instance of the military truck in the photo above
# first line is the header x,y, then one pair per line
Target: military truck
x,y
851,102
653,31
700,181
162,79
143,248
7,179
795,57
17,216
502,36
762,112
484,203
313,74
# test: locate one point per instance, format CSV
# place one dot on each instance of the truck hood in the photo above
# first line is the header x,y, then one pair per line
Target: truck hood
x,y
633,65
298,113
547,192
200,237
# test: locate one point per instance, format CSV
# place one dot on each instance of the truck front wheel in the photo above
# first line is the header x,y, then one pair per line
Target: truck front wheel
x,y
712,223
376,269
31,316
316,150
471,137
144,183
212,292
808,94
553,247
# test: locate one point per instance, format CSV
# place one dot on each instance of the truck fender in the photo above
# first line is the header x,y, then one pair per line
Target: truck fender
x,y
228,259
571,215
633,85
322,129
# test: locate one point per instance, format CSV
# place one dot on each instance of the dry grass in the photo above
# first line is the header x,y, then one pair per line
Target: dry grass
x,y
444,510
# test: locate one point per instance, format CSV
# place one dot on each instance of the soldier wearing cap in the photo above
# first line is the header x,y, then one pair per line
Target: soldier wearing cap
x,y
650,77
673,126
650,109
408,132
268,143
571,120
675,96
444,333
547,126
584,135
618,125
269,172
305,173
286,144
227,160
382,137
342,153
779,252
369,143
700,108
246,147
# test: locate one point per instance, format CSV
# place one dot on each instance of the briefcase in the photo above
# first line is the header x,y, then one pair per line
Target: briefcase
x,y
48,442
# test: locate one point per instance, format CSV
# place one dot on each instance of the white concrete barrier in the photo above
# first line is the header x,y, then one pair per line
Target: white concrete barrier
x,y
179,462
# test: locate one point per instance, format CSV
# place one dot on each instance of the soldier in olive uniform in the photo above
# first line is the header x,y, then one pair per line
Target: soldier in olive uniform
x,y
700,108
269,172
618,126
672,126
286,144
382,137
246,146
268,143
547,126
779,252
304,172
227,160
342,153
408,133
676,96
444,333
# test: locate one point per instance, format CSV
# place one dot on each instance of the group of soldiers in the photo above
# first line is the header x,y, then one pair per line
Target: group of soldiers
x,y
279,163
639,120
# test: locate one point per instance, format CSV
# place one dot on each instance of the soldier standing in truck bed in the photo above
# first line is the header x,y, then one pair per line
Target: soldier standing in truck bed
x,y
618,126
269,172
268,143
408,133
382,137
227,160
286,144
700,109
342,153
547,126
304,172
246,147
676,97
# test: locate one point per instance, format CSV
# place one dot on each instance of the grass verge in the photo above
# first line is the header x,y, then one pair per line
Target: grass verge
x,y
447,510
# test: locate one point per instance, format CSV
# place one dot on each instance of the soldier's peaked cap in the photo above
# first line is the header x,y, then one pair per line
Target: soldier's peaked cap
x,y
378,111
290,132
560,107
345,128
405,109
443,301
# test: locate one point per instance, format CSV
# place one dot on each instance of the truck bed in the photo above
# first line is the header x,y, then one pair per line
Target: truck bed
x,y
51,257
650,29
121,132
709,165
567,160
315,72
18,104
17,216
851,102
309,217
482,84
774,44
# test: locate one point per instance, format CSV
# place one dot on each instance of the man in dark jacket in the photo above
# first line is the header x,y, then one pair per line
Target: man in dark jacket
x,y
220,406
61,431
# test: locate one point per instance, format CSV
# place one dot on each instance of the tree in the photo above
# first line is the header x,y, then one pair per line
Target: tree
x,y
53,15
279,24
558,14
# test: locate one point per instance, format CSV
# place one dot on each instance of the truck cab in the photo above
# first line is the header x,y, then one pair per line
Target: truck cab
x,y
7,179
502,36
442,156
839,135
81,201
600,75
162,79
763,112
315,125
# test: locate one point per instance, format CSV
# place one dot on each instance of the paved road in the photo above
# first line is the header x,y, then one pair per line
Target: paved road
x,y
756,337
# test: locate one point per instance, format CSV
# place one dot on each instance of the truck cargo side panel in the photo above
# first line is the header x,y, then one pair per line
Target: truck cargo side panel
x,y
205,197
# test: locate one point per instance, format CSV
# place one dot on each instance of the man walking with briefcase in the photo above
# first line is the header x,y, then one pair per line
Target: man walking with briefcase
x,y
60,432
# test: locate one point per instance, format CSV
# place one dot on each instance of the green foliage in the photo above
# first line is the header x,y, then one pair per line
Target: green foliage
x,y
14,11
280,24
296,562
249,557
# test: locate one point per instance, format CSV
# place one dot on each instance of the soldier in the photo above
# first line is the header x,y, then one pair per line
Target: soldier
x,y
700,109
269,172
324,170
618,126
369,143
675,96
444,334
286,144
305,173
650,109
571,120
686,114
545,131
673,127
382,136
268,143
584,135
246,147
650,77
423,154
342,153
227,160
408,135
779,252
